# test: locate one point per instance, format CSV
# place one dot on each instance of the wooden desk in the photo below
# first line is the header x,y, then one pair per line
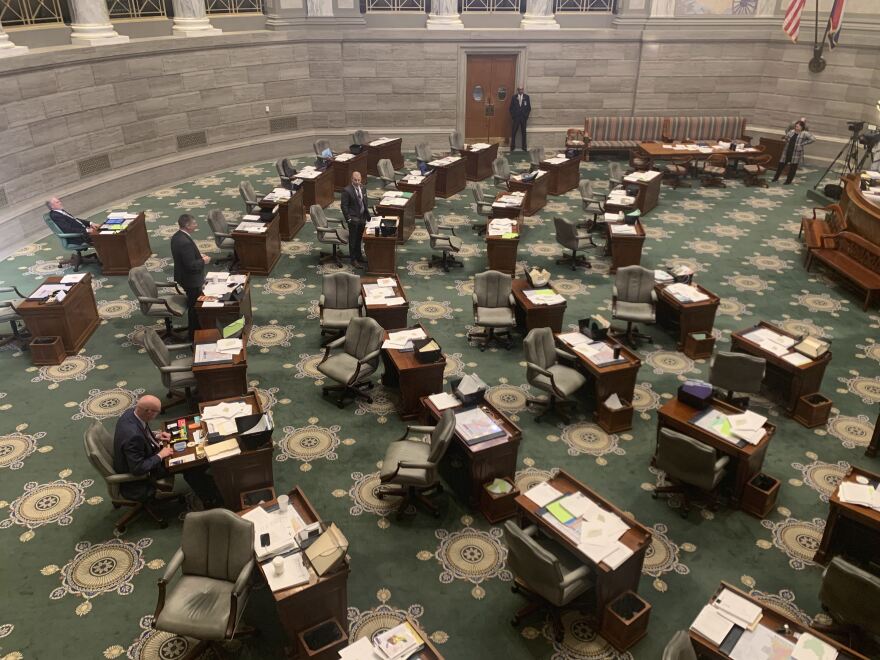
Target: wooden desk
x,y
618,378
562,177
231,311
300,608
383,148
609,583
450,178
424,192
501,252
428,652
649,191
478,162
782,377
121,251
772,146
74,319
512,212
624,249
862,213
529,315
772,619
235,475
292,215
745,459
318,190
224,380
466,468
343,169
414,379
535,190
687,317
406,215
851,530
662,150
390,317
258,253
381,253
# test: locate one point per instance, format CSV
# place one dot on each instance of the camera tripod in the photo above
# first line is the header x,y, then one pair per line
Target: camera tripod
x,y
850,164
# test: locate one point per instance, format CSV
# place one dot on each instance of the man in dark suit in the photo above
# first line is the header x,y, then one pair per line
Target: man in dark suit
x,y
69,223
520,109
189,266
356,213
139,450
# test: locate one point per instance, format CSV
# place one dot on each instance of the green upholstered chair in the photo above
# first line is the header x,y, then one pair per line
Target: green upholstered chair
x,y
356,362
692,466
72,242
330,232
544,371
447,244
340,302
176,373
493,309
410,468
737,372
153,305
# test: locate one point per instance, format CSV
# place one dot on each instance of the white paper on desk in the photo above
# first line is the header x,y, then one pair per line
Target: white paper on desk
x,y
295,572
761,642
396,345
386,282
402,335
737,609
543,494
396,300
579,505
810,647
232,346
752,437
861,494
574,338
362,649
747,421
619,555
444,400
797,359
711,625
344,157
72,278
212,303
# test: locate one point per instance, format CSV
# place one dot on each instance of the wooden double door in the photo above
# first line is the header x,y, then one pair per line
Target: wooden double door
x,y
491,83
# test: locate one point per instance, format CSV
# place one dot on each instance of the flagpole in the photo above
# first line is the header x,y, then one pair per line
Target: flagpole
x,y
817,62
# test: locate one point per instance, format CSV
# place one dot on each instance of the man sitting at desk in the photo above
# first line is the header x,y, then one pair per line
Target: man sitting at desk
x,y
356,213
68,223
139,450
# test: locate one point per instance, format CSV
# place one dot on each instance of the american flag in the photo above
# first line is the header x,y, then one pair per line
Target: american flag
x,y
835,22
791,24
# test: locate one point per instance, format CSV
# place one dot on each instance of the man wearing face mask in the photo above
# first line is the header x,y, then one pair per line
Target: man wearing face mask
x,y
520,108
355,209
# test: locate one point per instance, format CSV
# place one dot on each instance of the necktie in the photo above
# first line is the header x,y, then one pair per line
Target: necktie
x,y
150,437
360,198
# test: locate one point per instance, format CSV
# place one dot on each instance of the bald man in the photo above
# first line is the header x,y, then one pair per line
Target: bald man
x,y
69,223
139,450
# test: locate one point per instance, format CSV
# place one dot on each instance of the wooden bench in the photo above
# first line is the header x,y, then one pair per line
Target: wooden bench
x,y
677,129
814,227
853,257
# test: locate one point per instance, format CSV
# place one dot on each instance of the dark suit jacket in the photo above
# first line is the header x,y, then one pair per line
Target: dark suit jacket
x,y
350,209
135,452
69,224
520,112
189,268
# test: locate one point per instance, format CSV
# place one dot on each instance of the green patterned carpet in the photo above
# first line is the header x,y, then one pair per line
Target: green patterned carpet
x,y
74,590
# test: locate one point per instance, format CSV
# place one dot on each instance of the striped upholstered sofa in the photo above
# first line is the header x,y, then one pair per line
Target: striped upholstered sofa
x,y
625,132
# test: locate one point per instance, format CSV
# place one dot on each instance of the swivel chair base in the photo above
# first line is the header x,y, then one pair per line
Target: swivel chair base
x,y
346,391
176,398
689,495
630,334
480,228
537,604
171,334
576,260
334,256
490,336
553,405
446,261
77,259
412,495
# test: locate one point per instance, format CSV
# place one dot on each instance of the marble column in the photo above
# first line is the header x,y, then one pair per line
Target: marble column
x,y
444,16
320,7
7,48
539,16
90,24
191,19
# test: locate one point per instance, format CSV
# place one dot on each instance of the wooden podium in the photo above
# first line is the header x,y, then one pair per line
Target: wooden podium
x,y
120,251
74,319
223,380
258,253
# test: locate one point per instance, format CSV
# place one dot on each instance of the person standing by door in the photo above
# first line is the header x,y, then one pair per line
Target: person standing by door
x,y
520,109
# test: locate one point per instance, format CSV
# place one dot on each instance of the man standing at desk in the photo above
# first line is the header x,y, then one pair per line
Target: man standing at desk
x,y
354,209
520,109
138,450
189,266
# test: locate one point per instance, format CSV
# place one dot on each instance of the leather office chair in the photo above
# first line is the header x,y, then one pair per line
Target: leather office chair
x,y
176,373
692,467
222,232
444,243
356,362
737,372
320,146
482,205
569,237
633,300
286,172
166,307
593,202
424,153
680,647
360,137
640,161
71,242
713,171
851,597
387,174
536,155
248,196
333,236
493,308
501,171
410,468
675,171
456,141
340,302
615,175
755,168
546,573
9,314
544,371
98,445
215,561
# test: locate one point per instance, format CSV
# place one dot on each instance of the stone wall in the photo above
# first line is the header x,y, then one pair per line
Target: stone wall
x,y
145,104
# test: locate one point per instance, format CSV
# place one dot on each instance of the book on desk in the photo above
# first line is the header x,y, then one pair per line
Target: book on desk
x,y
475,426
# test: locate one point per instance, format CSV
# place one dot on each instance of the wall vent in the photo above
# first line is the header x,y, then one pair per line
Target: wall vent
x,y
191,140
3,200
282,124
94,165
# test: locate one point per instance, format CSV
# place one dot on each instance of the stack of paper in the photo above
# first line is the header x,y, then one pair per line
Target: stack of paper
x,y
413,179
686,293
279,527
574,338
443,401
441,162
344,157
810,647
479,146
861,494
73,278
717,423
711,625
220,418
251,227
399,642
230,346
597,352
623,230
403,339
475,426
294,574
386,282
220,450
210,354
542,494
749,426
500,227
772,342
380,141
543,297
761,643
556,160
309,172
